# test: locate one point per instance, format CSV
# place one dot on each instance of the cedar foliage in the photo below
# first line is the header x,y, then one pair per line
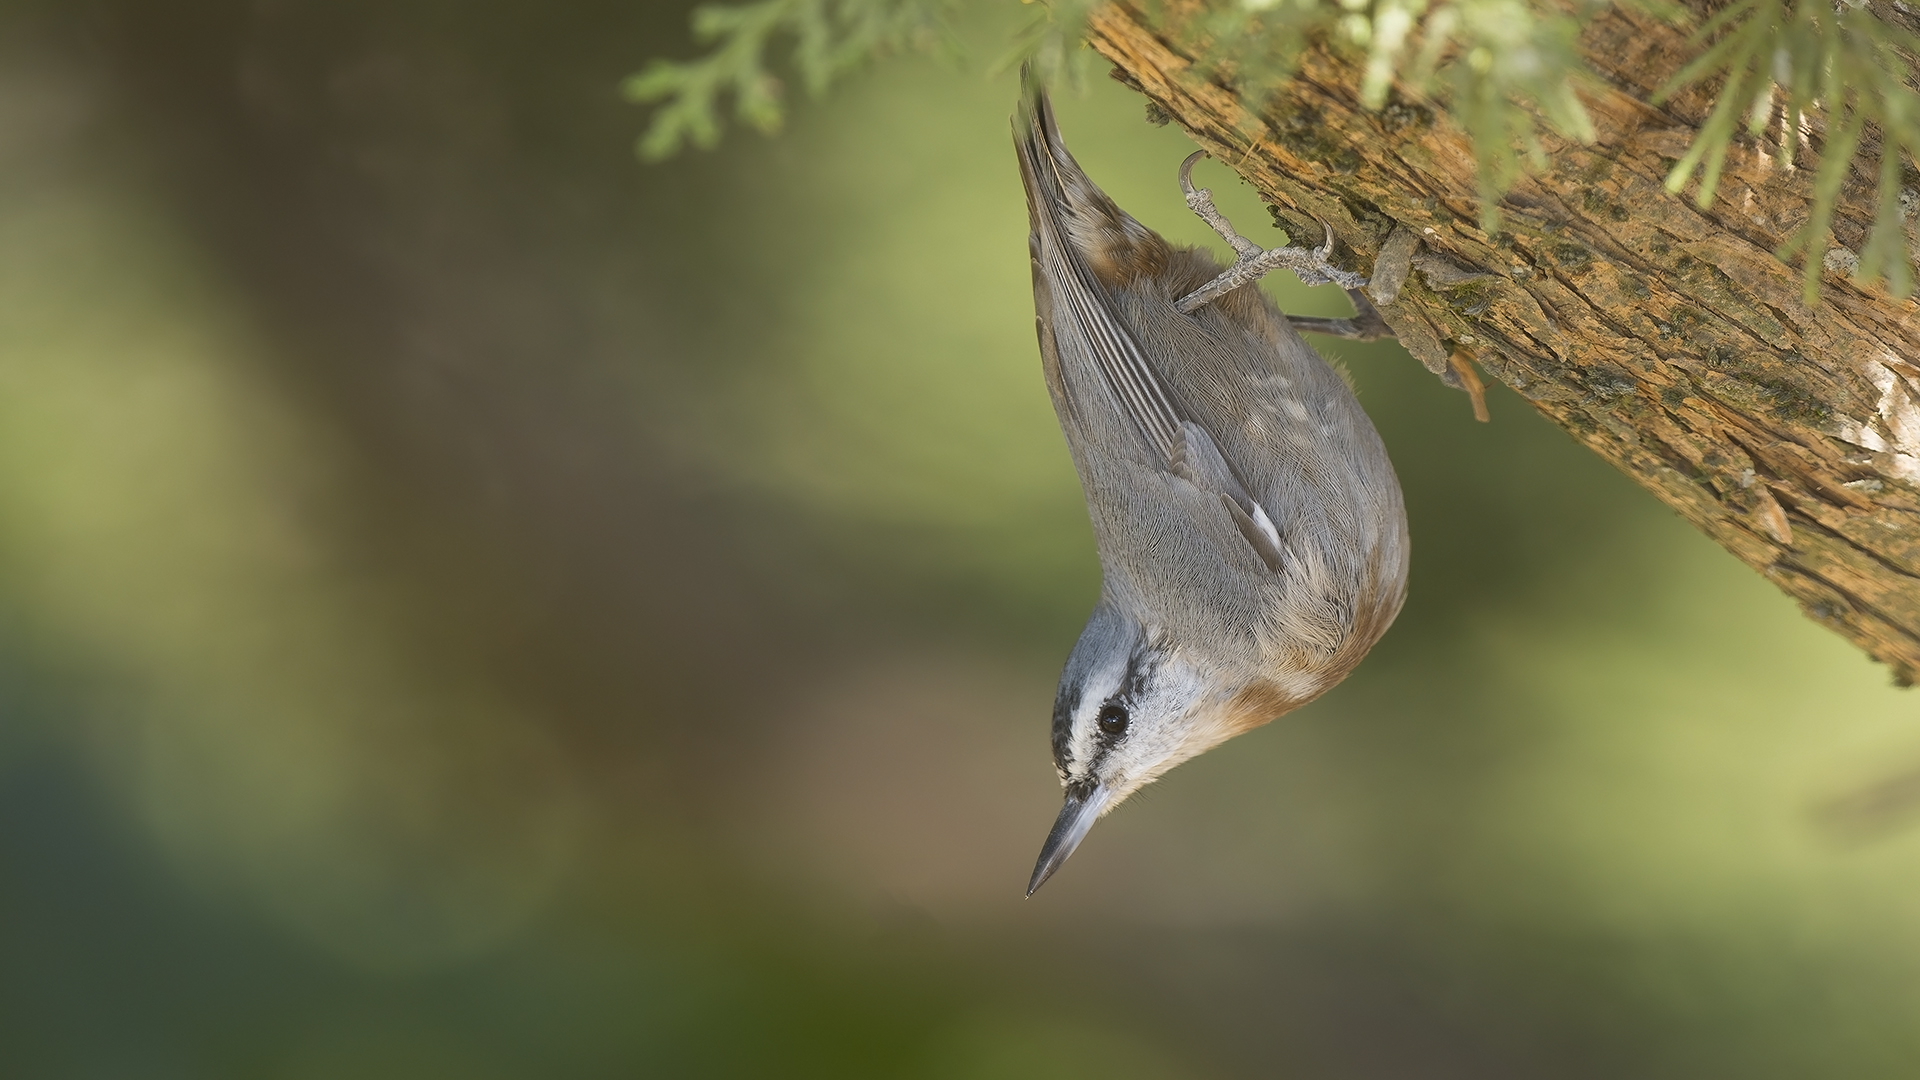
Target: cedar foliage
x,y
1501,68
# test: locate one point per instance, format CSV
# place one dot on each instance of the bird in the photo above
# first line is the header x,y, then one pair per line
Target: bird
x,y
1251,532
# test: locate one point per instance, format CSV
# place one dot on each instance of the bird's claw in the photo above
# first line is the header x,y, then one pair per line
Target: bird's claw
x,y
1251,262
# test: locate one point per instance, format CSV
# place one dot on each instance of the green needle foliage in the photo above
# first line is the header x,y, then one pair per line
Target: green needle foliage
x,y
1814,58
828,39
1501,68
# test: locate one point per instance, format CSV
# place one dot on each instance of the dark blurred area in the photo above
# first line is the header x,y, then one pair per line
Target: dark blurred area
x,y
476,605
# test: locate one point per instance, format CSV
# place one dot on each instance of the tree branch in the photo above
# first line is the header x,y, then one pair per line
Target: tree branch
x,y
1668,340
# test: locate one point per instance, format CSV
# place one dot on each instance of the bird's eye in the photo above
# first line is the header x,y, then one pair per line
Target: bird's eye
x,y
1114,719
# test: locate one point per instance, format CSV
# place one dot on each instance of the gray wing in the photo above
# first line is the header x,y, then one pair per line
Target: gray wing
x,y
1067,214
1197,460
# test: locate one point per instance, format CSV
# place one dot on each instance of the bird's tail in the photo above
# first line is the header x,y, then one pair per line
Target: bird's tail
x,y
1085,249
1064,206
1042,156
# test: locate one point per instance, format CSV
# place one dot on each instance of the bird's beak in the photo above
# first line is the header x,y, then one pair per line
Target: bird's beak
x,y
1076,817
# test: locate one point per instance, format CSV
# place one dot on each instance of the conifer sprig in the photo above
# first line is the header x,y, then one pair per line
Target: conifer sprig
x,y
1499,67
1495,64
1782,63
827,38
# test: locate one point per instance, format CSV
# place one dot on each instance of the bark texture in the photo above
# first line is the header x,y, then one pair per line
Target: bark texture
x,y
1669,340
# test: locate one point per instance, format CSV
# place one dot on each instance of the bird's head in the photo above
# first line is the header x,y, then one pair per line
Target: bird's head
x,y
1133,704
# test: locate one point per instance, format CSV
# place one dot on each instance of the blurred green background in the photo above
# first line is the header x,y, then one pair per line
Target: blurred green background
x,y
473,605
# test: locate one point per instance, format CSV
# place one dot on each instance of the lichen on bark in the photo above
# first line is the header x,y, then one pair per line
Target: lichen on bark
x,y
1668,339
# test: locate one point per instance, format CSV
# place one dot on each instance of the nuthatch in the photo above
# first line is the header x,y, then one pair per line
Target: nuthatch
x,y
1253,544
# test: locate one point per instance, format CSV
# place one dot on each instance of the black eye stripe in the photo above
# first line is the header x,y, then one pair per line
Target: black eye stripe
x,y
1139,669
1064,706
1111,724
1116,716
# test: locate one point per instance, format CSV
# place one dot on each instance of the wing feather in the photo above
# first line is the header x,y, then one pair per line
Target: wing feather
x,y
1064,207
1076,228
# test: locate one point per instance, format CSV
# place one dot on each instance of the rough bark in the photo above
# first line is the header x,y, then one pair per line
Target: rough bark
x,y
1668,340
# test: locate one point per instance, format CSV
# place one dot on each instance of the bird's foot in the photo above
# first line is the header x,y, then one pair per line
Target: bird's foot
x,y
1251,263
1366,324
